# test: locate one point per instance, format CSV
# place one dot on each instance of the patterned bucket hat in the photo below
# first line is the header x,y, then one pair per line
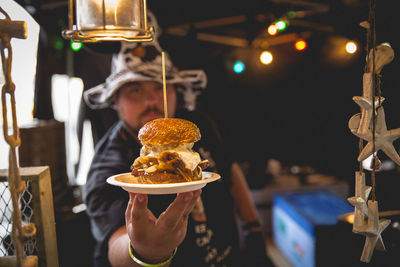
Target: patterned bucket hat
x,y
142,61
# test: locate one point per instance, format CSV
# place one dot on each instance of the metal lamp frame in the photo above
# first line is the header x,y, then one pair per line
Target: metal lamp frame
x,y
145,34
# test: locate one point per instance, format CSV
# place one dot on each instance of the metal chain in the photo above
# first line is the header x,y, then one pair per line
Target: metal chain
x,y
16,186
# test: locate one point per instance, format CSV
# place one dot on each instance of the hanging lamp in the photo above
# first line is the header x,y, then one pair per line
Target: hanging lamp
x,y
108,20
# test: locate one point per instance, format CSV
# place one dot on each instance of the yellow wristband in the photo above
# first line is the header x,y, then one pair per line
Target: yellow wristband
x,y
145,264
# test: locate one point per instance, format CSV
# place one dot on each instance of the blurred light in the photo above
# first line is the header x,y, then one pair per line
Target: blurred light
x,y
300,45
238,67
348,217
266,57
351,47
58,44
281,25
333,52
272,30
291,14
76,46
66,93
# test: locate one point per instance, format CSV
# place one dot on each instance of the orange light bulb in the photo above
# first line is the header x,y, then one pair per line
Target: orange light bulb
x,y
272,29
300,45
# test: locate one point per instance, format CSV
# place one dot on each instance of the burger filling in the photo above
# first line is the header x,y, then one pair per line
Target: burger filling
x,y
170,161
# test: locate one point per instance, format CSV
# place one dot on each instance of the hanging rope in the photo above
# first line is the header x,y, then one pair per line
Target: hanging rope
x,y
19,234
360,148
371,44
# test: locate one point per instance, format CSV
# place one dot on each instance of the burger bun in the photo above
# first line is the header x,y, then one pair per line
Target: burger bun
x,y
169,131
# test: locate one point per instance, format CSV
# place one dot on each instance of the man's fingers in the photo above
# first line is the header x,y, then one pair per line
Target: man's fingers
x,y
176,211
196,195
139,207
128,210
173,214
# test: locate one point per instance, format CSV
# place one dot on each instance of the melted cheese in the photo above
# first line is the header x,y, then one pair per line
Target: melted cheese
x,y
189,157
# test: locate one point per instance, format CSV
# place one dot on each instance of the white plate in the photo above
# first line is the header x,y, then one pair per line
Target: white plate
x,y
130,183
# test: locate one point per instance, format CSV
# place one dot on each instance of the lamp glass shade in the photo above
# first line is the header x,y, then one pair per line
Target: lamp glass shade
x,y
98,20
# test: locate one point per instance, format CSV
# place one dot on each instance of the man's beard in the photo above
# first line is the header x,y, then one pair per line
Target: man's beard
x,y
134,130
144,113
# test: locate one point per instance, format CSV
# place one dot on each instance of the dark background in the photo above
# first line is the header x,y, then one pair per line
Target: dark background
x,y
295,110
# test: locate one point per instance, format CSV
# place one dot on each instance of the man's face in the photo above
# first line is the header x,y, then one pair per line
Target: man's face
x,y
140,102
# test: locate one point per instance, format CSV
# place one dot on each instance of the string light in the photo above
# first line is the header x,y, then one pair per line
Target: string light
x,y
300,45
76,46
266,57
58,44
238,67
272,30
291,14
281,24
351,47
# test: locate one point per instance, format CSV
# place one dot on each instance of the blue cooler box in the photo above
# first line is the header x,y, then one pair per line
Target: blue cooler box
x,y
304,226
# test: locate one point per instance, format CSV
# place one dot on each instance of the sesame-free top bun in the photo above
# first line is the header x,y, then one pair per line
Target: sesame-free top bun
x,y
169,131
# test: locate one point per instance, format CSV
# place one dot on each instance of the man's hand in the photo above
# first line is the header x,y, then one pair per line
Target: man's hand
x,y
154,238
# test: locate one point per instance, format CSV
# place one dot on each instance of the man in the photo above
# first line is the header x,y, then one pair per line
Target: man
x,y
162,230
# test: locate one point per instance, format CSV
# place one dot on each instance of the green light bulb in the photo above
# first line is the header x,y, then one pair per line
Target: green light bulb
x,y
76,46
280,25
291,14
58,44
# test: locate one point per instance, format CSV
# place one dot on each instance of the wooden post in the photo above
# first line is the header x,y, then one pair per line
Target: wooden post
x,y
11,261
16,29
43,210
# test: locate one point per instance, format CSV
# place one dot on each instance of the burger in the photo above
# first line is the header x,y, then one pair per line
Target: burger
x,y
167,154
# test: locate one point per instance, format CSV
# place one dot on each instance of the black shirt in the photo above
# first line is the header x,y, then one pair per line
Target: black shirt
x,y
210,242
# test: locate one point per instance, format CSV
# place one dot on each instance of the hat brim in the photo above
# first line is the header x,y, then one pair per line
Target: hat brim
x,y
101,95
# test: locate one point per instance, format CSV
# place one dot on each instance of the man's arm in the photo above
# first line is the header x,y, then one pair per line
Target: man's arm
x,y
255,250
244,202
118,252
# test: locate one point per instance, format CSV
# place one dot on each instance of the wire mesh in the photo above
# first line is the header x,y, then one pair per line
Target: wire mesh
x,y
26,207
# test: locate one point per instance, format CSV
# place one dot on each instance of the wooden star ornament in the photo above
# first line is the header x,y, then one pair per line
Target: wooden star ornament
x,y
366,105
383,54
384,138
373,232
359,201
